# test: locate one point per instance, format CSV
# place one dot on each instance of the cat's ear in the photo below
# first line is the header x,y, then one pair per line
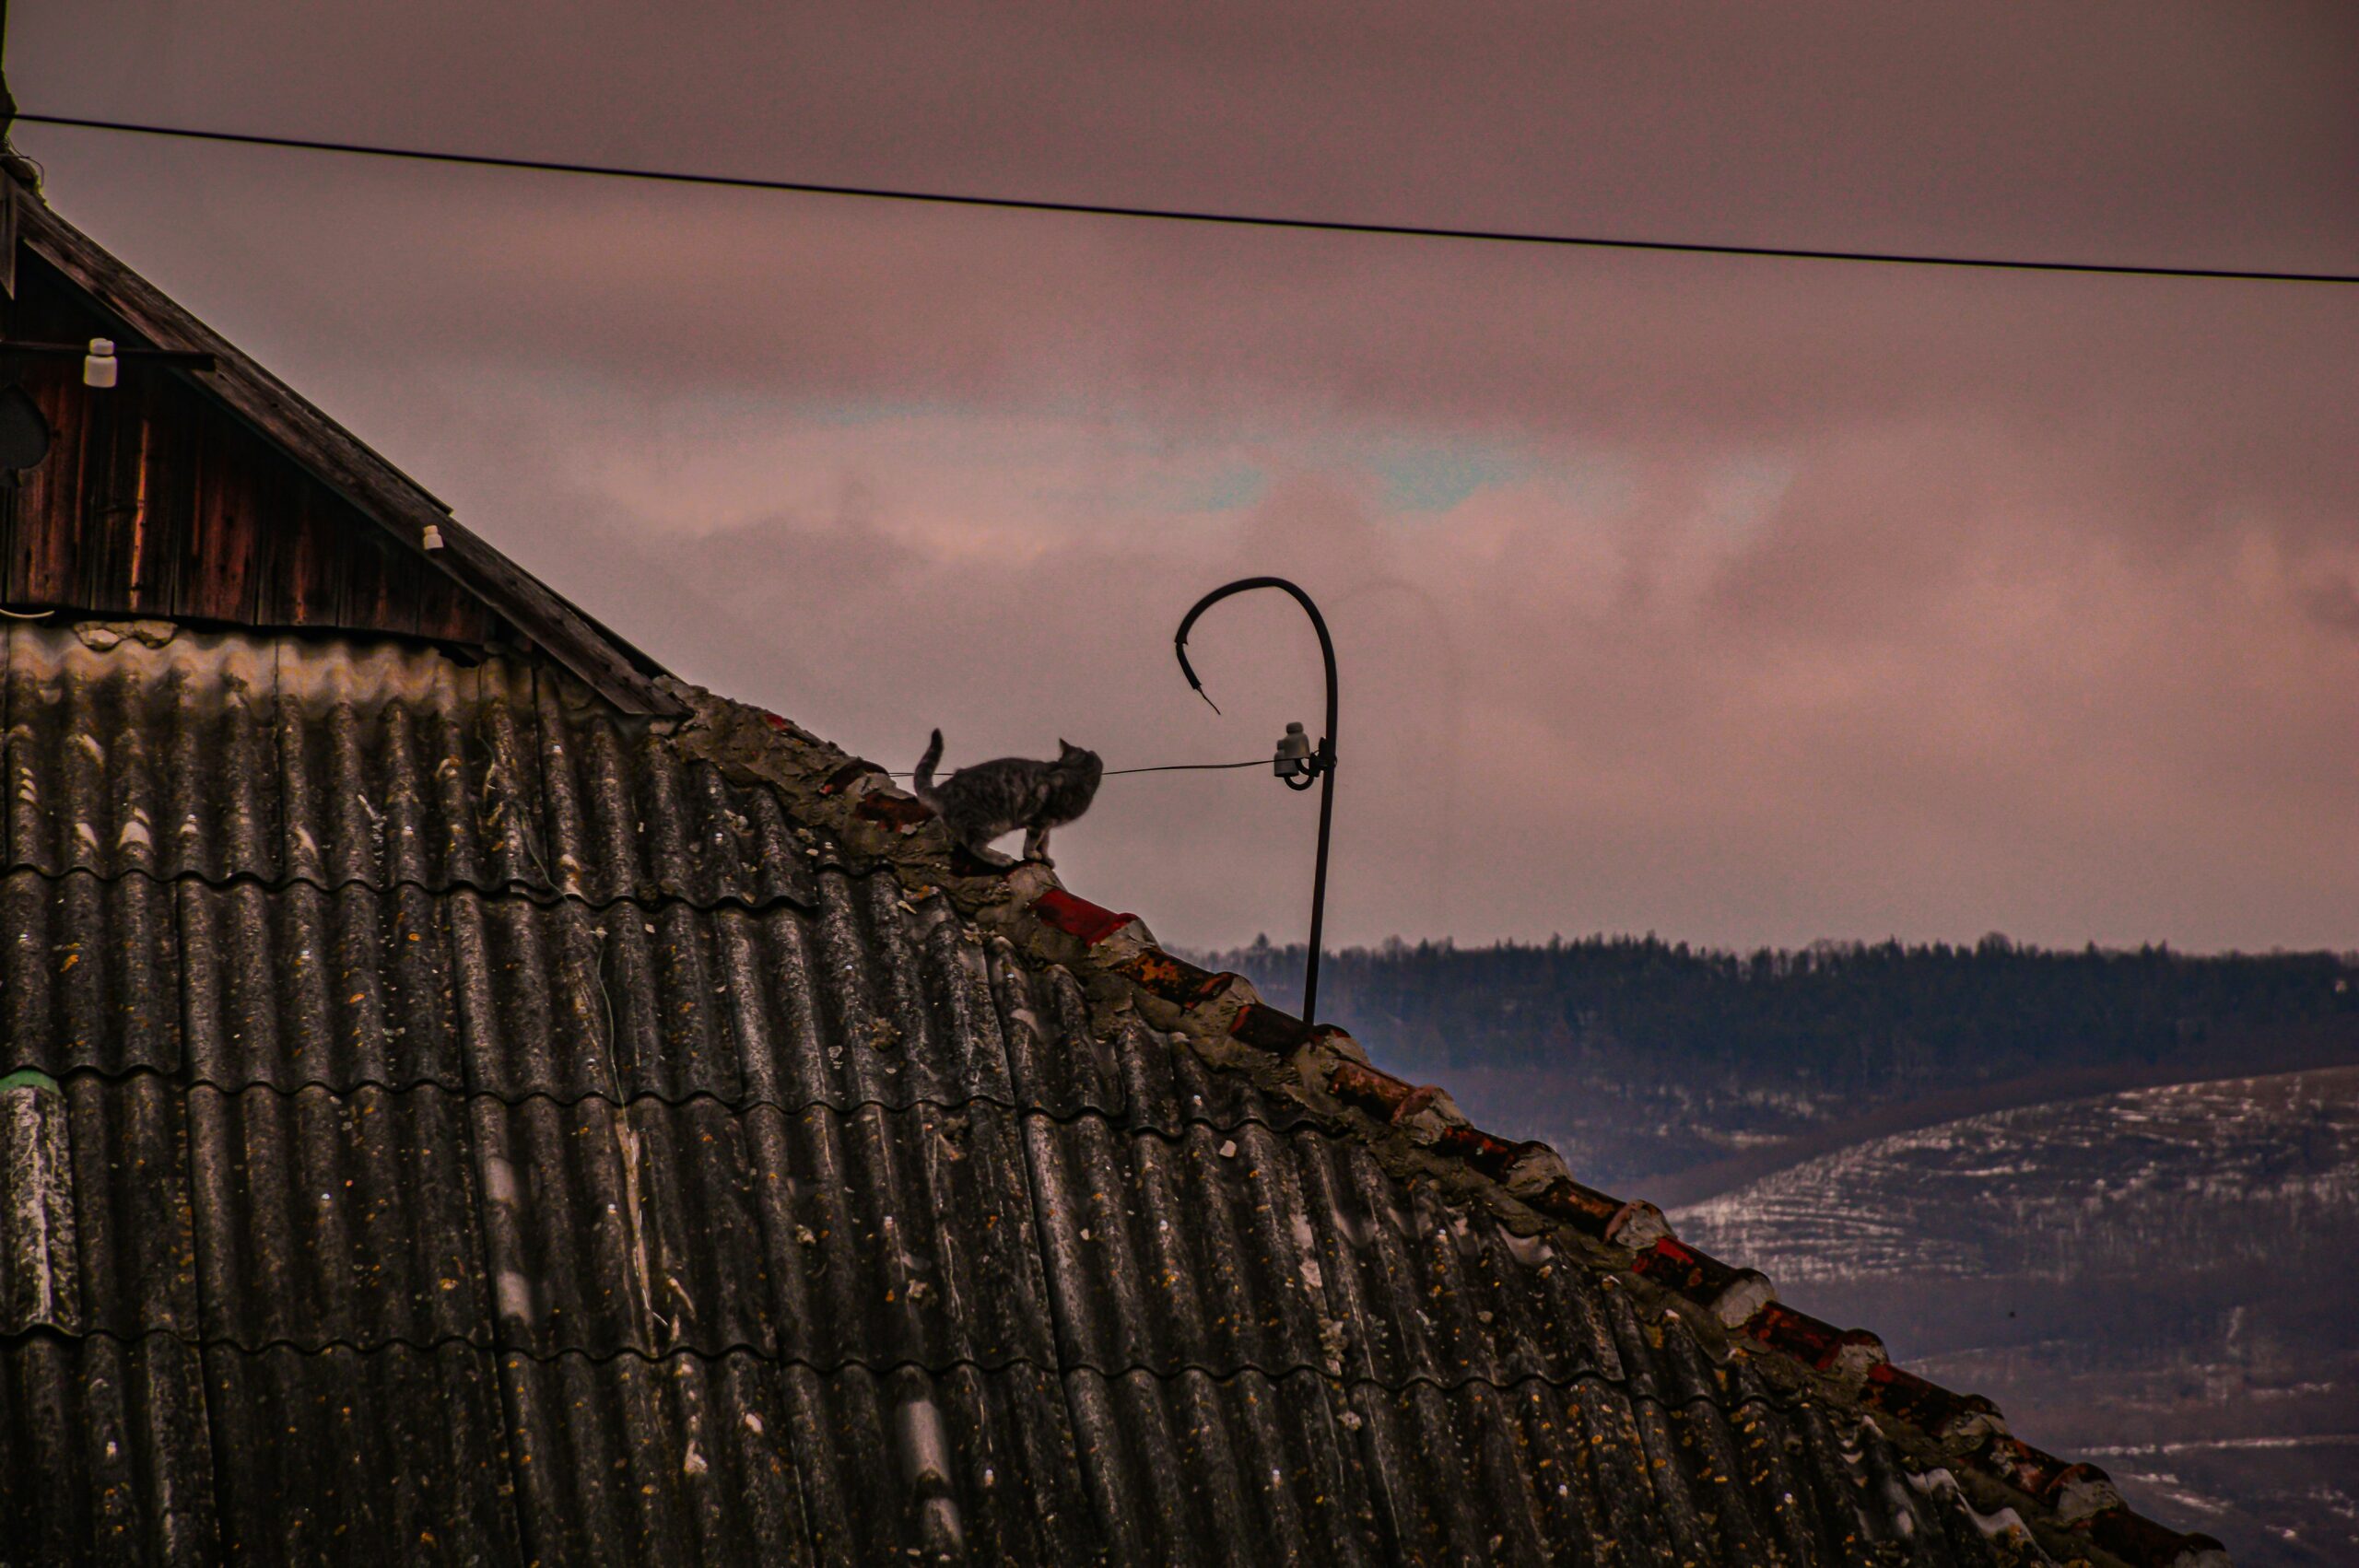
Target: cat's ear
x,y
1067,747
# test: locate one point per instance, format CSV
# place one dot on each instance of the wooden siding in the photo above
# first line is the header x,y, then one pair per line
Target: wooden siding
x,y
157,501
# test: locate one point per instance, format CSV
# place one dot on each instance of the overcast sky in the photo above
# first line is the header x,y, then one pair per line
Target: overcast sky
x,y
1743,601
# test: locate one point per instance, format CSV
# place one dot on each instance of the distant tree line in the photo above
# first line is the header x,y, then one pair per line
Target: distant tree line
x,y
1853,1019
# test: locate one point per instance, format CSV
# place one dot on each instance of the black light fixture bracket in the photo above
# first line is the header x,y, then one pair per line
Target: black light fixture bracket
x,y
1295,770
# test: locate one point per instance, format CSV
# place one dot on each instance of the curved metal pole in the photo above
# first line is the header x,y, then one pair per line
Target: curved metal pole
x,y
1323,760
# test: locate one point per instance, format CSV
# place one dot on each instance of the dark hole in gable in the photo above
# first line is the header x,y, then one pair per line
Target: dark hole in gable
x,y
24,434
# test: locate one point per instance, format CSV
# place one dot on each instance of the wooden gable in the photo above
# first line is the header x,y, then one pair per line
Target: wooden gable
x,y
222,495
155,500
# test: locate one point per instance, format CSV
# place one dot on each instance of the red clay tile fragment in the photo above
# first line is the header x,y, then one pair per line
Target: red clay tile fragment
x,y
1176,980
1637,1226
2075,1492
1929,1405
1816,1342
2029,1470
1340,1042
1490,1155
2143,1542
1370,1089
1265,1028
1078,918
2080,1493
1674,1263
851,773
892,811
1811,1341
1583,1207
1415,1100
1856,1352
1735,1295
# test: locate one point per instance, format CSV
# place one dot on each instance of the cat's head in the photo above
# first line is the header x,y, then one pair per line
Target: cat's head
x,y
1080,762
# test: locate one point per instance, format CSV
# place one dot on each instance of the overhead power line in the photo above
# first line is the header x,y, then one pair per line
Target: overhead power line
x,y
1185,215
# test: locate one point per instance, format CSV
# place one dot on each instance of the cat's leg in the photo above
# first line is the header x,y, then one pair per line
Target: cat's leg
x,y
983,850
1036,846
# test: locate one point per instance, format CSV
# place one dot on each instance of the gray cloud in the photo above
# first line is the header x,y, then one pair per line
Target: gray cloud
x,y
1739,601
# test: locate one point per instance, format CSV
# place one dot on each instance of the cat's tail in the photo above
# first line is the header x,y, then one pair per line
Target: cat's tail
x,y
921,785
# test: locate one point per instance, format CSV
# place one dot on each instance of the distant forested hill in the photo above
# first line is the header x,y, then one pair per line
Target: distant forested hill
x,y
1656,1054
1841,1016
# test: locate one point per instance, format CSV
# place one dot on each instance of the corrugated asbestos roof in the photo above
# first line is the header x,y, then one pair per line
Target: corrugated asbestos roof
x,y
446,1122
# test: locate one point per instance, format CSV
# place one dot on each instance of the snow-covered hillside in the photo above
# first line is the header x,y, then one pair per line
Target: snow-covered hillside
x,y
2254,1170
2162,1278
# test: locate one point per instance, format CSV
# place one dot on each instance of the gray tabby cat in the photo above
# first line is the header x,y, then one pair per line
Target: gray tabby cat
x,y
978,803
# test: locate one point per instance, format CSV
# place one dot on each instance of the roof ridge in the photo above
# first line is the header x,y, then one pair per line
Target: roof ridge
x,y
1418,1131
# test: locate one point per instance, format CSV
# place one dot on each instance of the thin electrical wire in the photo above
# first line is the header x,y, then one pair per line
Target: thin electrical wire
x,y
1185,215
1166,767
